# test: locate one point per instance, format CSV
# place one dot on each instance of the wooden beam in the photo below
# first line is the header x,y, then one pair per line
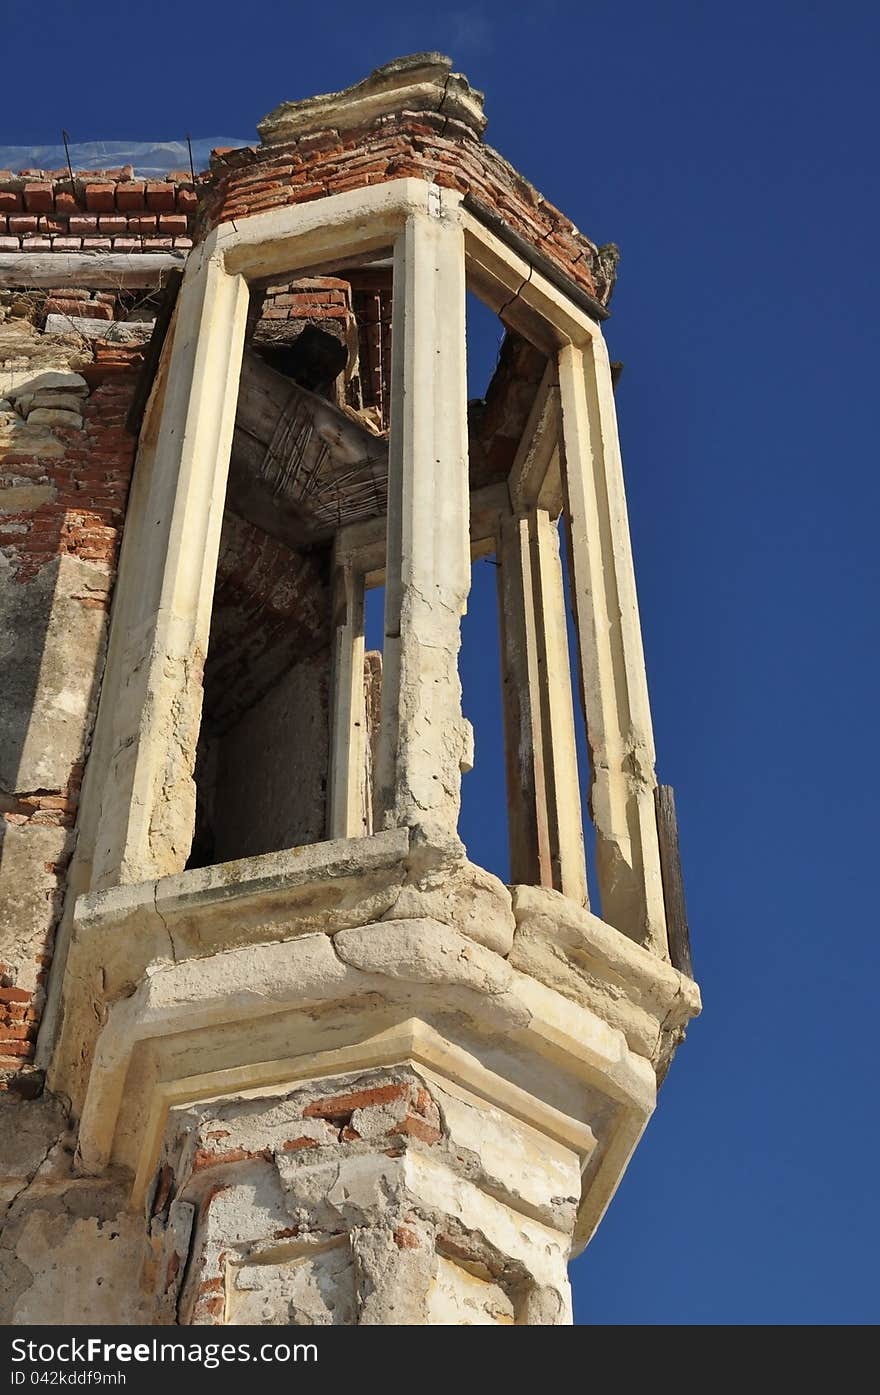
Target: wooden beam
x,y
107,271
545,821
673,881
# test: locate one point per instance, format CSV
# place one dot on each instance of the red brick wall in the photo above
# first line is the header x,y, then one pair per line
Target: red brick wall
x,y
103,211
84,519
425,145
314,298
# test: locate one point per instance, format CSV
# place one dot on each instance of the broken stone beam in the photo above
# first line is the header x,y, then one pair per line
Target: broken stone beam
x,y
98,270
423,737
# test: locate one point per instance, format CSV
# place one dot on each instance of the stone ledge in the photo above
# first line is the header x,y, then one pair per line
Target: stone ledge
x,y
574,952
255,1017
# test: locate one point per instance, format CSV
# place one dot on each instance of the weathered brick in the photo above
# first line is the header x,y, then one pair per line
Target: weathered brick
x,y
100,198
161,196
173,223
131,197
406,1239
8,1033
414,1127
204,1157
39,197
336,1106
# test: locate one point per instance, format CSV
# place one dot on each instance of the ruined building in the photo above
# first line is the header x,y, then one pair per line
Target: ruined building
x,y
275,1050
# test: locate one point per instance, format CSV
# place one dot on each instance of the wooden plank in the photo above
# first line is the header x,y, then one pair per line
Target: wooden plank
x,y
107,271
673,881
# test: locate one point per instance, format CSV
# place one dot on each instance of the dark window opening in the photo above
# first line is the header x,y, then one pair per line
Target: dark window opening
x,y
309,456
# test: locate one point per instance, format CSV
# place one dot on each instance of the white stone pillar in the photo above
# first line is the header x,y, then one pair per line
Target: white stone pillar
x,y
348,734
544,807
148,799
612,664
423,737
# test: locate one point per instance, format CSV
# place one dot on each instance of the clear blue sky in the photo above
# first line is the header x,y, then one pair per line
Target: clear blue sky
x,y
731,151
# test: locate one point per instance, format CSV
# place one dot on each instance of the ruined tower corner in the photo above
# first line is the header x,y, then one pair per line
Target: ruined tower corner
x,y
276,1048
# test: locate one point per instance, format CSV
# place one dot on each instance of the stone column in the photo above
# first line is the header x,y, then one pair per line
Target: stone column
x,y
544,807
612,664
423,738
168,570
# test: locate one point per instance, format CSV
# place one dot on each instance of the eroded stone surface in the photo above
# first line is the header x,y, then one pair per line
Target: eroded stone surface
x,y
358,1199
70,1251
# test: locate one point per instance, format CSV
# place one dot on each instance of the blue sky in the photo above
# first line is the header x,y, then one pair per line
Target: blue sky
x,y
731,153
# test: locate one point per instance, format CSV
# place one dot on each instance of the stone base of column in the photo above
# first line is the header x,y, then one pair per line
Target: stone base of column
x,y
380,1197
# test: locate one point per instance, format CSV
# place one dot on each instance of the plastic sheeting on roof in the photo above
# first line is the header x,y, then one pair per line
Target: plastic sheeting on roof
x,y
149,158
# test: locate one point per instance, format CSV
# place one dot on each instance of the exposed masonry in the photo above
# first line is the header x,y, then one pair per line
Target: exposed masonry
x,y
104,210
67,460
299,1059
423,144
65,468
331,1222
